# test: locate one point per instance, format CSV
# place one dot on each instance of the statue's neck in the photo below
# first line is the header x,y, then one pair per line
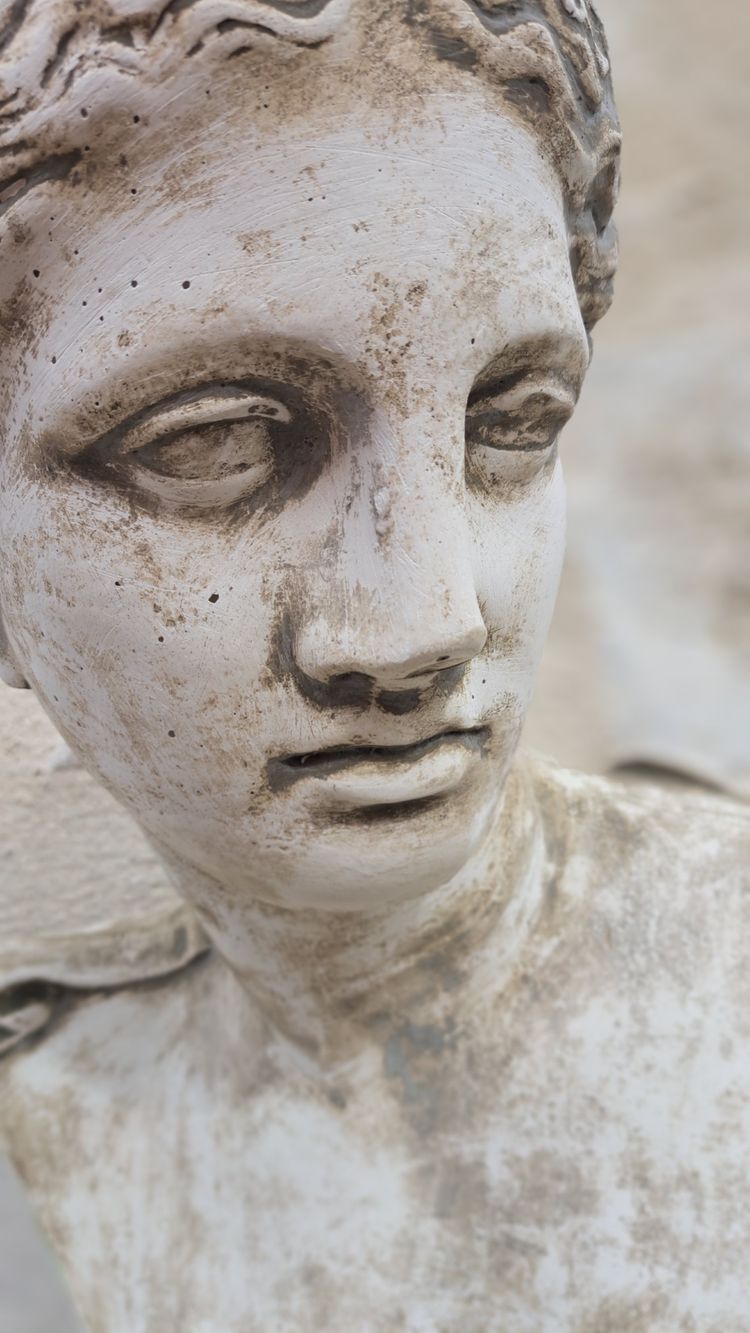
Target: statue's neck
x,y
334,986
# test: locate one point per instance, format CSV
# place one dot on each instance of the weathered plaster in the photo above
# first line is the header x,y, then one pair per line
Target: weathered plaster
x,y
298,300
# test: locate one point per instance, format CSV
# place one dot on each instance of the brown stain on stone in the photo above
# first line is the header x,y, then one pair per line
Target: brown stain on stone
x,y
261,243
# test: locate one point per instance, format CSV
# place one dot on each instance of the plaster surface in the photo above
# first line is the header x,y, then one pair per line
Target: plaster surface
x,y
435,1045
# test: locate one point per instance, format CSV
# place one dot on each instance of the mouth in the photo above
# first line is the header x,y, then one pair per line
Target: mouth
x,y
324,763
377,782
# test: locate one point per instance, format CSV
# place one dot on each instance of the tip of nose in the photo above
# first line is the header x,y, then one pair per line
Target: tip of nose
x,y
388,661
453,655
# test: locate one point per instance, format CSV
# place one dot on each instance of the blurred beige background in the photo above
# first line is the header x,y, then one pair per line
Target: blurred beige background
x,y
649,659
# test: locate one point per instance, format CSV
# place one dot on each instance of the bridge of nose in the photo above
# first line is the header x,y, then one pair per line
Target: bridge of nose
x,y
398,600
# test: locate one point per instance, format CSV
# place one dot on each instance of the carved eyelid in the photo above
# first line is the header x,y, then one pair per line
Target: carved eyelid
x,y
514,395
211,410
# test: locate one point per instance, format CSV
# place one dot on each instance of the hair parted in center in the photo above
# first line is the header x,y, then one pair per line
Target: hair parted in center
x,y
548,59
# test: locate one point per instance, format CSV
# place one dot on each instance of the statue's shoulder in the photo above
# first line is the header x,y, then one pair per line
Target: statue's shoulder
x,y
615,817
657,879
86,1016
104,1048
94,938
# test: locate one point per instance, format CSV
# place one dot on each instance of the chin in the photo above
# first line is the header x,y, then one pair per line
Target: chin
x,y
384,864
369,860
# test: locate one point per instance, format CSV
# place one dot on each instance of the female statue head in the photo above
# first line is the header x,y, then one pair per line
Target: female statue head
x,y
296,301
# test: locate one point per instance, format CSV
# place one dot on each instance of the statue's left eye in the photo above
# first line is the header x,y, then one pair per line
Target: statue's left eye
x,y
511,435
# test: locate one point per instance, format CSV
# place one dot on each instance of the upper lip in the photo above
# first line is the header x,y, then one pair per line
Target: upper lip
x,y
330,760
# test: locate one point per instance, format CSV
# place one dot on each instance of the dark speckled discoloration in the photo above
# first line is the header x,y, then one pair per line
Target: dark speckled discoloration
x,y
454,50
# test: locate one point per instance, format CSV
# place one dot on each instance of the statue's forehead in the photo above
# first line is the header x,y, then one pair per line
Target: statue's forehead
x,y
265,217
79,83
382,266
371,155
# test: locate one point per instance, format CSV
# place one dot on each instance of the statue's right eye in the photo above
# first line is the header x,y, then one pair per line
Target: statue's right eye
x,y
206,453
202,453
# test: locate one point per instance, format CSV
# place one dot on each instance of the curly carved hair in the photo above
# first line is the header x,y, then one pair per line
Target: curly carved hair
x,y
547,57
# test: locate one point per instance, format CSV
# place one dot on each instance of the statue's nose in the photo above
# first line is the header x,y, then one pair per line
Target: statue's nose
x,y
395,611
393,649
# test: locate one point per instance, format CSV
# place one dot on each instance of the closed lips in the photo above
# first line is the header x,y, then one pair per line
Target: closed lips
x,y
321,763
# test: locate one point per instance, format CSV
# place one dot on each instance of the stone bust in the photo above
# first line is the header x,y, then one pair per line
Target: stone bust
x,y
297,298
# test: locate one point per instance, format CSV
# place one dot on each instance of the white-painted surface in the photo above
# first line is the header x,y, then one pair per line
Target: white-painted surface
x,y
700,1306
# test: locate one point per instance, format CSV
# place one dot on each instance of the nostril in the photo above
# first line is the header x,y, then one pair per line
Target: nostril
x,y
446,663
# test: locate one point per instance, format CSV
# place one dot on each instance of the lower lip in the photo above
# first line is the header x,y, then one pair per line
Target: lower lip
x,y
398,781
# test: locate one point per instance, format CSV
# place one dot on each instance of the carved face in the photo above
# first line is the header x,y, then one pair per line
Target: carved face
x,y
281,506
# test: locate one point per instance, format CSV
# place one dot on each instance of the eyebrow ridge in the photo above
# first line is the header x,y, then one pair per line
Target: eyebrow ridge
x,y
540,355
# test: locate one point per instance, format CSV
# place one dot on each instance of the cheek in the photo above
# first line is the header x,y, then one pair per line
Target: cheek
x,y
519,542
145,642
